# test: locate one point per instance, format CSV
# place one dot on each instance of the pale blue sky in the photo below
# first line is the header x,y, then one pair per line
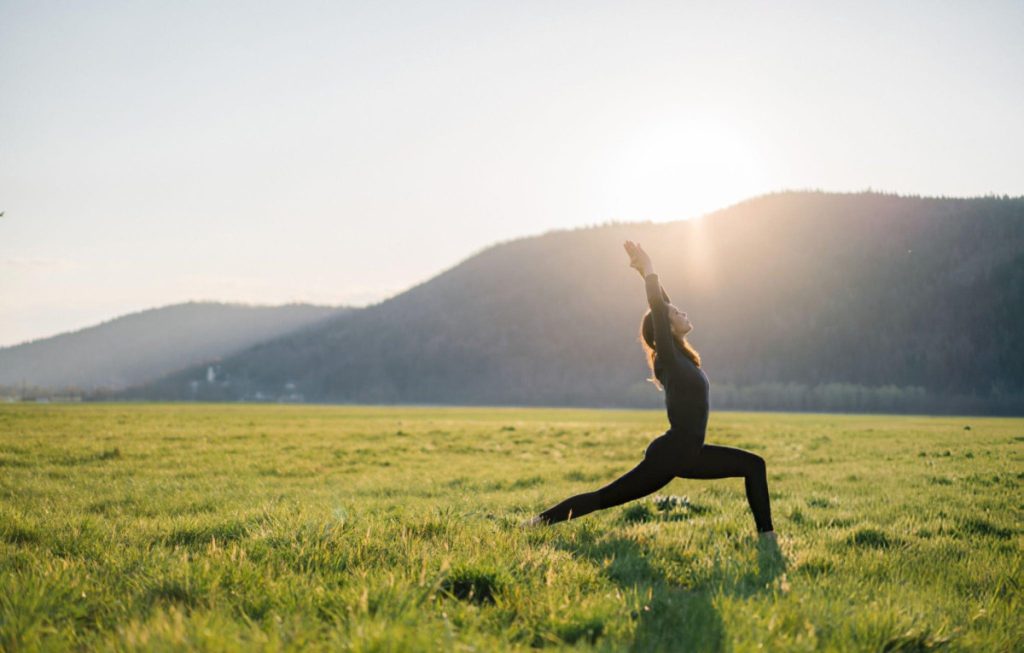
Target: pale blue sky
x,y
338,153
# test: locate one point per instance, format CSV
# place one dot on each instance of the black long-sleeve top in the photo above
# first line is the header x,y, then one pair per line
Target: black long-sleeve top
x,y
686,385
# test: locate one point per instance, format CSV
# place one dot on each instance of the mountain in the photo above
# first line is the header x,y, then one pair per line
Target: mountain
x,y
144,346
799,300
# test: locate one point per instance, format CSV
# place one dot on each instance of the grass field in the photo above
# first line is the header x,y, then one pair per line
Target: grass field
x,y
242,527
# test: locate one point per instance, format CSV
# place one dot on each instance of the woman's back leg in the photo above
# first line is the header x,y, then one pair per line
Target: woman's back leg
x,y
638,482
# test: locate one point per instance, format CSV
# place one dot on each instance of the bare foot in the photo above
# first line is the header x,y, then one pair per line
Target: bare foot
x,y
531,523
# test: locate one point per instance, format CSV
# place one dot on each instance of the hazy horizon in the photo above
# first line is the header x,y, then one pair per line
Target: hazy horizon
x,y
338,155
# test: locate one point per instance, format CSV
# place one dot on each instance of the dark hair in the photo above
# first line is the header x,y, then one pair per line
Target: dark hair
x,y
647,340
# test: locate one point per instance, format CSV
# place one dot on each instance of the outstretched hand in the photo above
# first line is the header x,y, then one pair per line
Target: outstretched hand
x,y
638,258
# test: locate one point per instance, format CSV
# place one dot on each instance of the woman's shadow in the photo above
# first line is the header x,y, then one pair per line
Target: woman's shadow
x,y
676,616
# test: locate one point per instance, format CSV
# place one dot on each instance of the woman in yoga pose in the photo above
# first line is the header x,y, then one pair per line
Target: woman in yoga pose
x,y
680,451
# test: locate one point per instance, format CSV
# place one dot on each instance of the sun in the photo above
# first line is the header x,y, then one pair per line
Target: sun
x,y
680,169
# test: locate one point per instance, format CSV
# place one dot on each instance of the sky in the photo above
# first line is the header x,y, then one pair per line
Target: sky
x,y
340,153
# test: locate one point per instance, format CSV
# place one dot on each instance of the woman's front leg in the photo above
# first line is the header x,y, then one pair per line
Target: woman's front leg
x,y
717,461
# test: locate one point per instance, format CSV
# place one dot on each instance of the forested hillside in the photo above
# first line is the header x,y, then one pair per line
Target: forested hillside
x,y
143,346
800,300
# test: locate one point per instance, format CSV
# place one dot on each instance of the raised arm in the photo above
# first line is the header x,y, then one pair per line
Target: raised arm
x,y
664,295
657,299
664,343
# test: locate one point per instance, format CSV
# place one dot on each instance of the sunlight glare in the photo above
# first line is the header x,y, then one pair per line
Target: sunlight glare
x,y
678,170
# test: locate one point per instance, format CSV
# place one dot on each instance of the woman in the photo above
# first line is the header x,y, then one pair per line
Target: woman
x,y
680,451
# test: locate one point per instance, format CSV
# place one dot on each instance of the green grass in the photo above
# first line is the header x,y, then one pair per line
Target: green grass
x,y
167,527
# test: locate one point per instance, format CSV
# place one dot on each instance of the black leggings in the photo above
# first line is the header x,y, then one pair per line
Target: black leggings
x,y
667,457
